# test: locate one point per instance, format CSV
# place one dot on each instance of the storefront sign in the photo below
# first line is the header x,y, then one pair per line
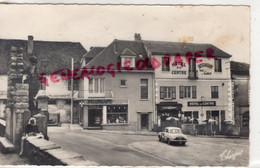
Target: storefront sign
x,y
202,103
168,107
103,102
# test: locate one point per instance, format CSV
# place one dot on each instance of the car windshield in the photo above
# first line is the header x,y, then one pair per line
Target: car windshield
x,y
175,131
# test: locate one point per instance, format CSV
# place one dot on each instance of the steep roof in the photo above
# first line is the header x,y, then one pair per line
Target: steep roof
x,y
117,48
112,53
162,48
51,55
239,68
94,51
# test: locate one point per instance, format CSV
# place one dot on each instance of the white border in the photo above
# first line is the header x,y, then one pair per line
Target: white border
x,y
255,50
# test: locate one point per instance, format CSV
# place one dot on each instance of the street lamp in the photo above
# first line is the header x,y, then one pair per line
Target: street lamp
x,y
180,115
72,89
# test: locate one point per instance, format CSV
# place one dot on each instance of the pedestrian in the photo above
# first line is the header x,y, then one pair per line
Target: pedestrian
x,y
31,131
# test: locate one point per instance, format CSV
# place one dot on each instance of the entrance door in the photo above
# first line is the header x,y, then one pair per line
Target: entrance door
x,y
215,116
144,121
94,117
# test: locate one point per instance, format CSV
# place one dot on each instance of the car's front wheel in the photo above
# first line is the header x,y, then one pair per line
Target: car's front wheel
x,y
160,138
183,143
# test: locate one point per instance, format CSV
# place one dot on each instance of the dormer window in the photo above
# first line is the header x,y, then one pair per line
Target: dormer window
x,y
128,62
128,58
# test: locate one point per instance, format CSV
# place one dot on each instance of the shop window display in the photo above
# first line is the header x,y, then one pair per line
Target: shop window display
x,y
117,114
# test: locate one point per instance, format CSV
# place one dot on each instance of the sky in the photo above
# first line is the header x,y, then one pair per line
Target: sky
x,y
226,27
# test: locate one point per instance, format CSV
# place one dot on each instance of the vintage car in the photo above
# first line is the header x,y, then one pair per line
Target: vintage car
x,y
172,135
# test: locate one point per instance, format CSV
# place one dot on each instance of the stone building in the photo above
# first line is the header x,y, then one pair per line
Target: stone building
x,y
51,56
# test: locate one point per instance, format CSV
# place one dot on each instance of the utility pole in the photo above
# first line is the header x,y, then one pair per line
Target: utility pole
x,y
72,91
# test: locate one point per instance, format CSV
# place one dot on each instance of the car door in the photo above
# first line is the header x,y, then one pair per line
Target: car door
x,y
164,134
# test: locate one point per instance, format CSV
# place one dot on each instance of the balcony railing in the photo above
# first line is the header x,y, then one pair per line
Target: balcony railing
x,y
193,75
100,94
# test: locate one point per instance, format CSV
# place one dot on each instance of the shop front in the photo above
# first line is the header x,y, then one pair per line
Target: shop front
x,y
98,114
210,117
168,114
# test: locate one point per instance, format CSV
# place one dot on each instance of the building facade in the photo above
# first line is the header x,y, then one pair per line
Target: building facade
x,y
193,82
120,98
240,82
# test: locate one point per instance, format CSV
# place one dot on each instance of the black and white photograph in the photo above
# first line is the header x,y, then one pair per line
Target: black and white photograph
x,y
125,85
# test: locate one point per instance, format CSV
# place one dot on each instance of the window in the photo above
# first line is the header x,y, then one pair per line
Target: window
x,y
96,85
43,85
75,84
208,114
187,116
167,92
90,85
218,66
116,114
195,114
123,83
245,119
188,92
144,88
166,64
192,68
214,91
194,92
131,61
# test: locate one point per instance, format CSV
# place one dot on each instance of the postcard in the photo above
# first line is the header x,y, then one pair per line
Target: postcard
x,y
125,85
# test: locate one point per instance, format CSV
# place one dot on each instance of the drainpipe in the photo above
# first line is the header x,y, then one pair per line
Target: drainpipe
x,y
72,73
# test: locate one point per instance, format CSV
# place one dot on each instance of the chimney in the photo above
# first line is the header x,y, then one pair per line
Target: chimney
x,y
30,45
138,37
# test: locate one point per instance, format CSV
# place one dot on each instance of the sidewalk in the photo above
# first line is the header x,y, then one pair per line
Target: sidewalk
x,y
144,133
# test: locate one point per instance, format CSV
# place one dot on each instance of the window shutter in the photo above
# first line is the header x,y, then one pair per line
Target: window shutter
x,y
220,65
174,92
161,92
181,92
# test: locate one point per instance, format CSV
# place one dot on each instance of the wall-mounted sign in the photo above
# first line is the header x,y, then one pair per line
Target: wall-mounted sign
x,y
179,64
168,107
202,103
205,68
103,102
179,72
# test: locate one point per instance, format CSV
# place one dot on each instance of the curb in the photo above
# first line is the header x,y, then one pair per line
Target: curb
x,y
122,133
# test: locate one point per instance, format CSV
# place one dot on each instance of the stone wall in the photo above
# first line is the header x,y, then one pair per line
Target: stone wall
x,y
42,152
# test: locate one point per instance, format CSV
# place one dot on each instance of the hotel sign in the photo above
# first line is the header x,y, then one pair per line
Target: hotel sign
x,y
202,103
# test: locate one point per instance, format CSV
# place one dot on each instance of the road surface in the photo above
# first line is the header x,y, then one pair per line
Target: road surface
x,y
137,150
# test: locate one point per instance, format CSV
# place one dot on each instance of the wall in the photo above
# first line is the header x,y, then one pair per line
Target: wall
x,y
241,101
203,73
203,88
61,107
59,88
3,94
130,93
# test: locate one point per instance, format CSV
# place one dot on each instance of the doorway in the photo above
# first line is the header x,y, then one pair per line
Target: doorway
x,y
144,121
95,117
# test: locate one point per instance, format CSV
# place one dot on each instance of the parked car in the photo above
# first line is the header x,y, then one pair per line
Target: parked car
x,y
172,135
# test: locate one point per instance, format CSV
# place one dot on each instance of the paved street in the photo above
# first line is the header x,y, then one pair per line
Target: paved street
x,y
137,150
